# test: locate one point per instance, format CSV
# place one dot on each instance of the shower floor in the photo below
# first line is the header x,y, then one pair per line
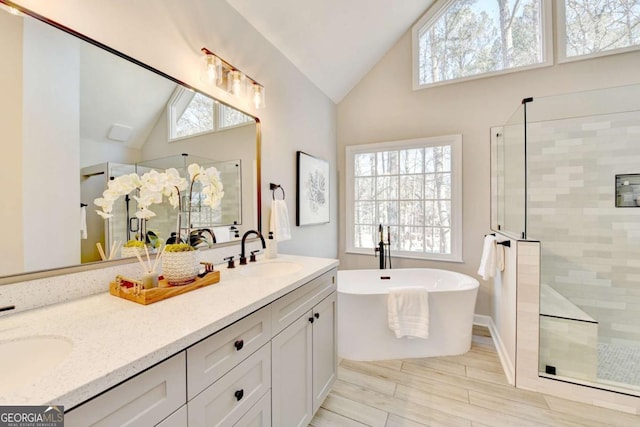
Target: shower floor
x,y
619,363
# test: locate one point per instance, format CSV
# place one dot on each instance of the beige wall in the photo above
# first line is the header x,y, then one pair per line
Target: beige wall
x,y
168,35
383,107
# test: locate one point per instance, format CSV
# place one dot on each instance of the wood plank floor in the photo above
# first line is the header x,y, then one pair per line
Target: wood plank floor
x,y
468,390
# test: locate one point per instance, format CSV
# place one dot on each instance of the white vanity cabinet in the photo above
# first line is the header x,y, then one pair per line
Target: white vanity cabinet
x,y
273,367
144,400
303,352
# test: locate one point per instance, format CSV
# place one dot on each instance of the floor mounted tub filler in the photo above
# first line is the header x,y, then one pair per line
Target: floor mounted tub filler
x,y
363,331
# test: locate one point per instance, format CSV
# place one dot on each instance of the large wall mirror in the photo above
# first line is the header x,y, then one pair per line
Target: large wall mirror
x,y
75,114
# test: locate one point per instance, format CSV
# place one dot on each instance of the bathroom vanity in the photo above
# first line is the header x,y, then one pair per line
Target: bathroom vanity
x,y
255,349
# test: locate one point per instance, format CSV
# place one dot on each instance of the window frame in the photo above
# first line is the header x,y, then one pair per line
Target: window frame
x,y
455,142
561,40
436,11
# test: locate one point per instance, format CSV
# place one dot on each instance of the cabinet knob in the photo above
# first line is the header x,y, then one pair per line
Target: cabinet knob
x,y
310,319
239,394
238,344
317,315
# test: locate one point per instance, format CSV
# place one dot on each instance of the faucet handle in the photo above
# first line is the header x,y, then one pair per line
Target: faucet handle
x,y
230,263
252,257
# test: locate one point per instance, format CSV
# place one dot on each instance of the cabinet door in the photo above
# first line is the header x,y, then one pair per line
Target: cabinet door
x,y
324,349
143,400
177,419
291,385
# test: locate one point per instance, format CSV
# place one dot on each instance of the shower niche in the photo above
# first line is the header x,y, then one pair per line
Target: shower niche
x,y
562,168
628,190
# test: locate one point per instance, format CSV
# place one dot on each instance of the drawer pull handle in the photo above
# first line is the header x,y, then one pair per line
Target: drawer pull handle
x,y
311,319
317,315
239,394
238,344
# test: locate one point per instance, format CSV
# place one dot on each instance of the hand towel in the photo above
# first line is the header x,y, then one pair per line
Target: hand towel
x,y
488,261
408,312
83,222
279,221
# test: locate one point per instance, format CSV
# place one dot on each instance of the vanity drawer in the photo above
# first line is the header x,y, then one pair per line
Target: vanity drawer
x,y
259,415
213,357
229,398
288,308
144,400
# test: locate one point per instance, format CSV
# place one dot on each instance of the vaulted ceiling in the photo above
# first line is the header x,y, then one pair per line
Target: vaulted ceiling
x,y
333,42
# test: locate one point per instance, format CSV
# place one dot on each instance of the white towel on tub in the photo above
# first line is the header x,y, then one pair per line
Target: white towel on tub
x,y
408,312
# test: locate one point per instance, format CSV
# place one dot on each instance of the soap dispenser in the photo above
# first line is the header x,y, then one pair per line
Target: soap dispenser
x,y
272,247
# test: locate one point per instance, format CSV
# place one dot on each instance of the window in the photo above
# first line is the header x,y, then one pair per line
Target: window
x,y
230,117
413,187
464,39
192,113
589,28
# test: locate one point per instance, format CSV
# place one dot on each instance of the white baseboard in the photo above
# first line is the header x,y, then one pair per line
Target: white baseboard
x,y
507,364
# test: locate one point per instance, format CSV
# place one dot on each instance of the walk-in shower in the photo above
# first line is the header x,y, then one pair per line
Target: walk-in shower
x,y
566,172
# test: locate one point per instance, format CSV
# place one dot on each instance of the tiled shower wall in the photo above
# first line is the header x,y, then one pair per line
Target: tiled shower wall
x,y
590,248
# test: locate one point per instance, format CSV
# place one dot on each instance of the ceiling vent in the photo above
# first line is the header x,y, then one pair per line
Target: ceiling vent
x,y
120,133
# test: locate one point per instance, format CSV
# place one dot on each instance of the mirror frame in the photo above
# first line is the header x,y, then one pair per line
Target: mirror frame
x,y
40,274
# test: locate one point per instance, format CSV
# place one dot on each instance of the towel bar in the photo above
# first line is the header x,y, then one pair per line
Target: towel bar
x,y
273,187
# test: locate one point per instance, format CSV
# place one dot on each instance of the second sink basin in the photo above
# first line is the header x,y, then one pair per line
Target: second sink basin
x,y
25,359
270,269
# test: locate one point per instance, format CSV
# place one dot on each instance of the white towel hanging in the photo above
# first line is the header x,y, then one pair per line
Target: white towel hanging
x,y
83,222
279,221
408,312
488,261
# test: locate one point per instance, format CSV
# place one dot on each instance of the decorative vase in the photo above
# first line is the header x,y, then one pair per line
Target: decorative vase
x,y
180,268
127,252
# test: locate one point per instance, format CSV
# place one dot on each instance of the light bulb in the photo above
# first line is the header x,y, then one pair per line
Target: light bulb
x,y
258,96
211,69
236,82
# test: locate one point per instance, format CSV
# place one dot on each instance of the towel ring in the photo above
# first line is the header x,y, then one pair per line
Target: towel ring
x,y
273,188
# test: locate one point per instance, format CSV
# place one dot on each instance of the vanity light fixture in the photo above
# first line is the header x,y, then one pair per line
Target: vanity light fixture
x,y
215,71
258,95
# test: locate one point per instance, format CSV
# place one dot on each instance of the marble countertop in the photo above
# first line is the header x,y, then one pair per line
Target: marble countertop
x,y
114,339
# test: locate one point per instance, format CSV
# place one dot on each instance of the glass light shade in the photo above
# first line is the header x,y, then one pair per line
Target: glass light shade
x,y
211,70
258,96
236,83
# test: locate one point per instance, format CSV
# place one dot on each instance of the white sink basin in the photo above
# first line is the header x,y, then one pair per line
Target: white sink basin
x,y
25,359
270,269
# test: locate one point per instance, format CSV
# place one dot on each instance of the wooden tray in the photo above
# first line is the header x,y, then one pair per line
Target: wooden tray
x,y
163,291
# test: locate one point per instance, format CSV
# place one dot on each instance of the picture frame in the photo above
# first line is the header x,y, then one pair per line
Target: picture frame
x,y
312,190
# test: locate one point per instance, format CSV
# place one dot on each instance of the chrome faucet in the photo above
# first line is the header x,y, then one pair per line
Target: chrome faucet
x,y
243,258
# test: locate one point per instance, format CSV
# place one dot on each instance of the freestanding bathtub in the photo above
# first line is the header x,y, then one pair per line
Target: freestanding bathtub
x,y
363,331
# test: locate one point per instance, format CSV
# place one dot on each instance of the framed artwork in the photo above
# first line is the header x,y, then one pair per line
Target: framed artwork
x,y
312,192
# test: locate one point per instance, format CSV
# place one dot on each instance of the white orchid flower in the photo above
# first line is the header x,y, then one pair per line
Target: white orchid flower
x,y
175,180
174,199
194,171
154,181
145,213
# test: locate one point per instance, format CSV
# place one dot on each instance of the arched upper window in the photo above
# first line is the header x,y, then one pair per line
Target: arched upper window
x,y
462,39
